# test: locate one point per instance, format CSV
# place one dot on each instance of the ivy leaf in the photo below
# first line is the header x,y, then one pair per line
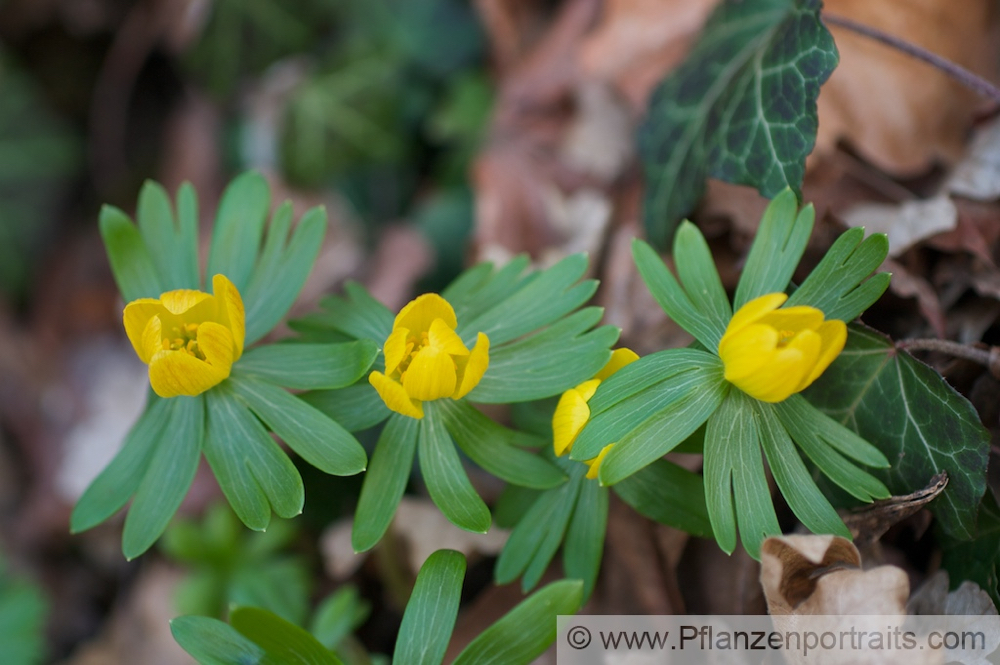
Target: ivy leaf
x,y
978,560
742,107
914,417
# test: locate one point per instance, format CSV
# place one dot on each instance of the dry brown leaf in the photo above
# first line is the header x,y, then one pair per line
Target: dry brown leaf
x,y
977,232
905,223
870,523
821,575
638,41
897,112
977,176
906,284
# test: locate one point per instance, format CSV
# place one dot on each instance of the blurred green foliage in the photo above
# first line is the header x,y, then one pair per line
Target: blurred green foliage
x,y
39,154
23,610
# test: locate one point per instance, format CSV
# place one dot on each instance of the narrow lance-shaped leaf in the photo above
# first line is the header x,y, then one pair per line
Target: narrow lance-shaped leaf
x,y
431,611
133,267
385,481
168,477
174,247
239,225
741,107
447,482
310,366
526,631
282,641
212,642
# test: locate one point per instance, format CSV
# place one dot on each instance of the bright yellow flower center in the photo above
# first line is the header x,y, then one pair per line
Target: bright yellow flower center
x,y
425,359
771,353
189,339
572,412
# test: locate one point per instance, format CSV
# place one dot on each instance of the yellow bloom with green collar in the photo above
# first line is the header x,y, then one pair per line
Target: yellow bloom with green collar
x,y
771,353
189,339
572,412
425,359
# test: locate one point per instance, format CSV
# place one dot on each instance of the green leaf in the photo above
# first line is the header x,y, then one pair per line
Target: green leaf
x,y
431,611
282,269
584,546
447,482
537,536
978,560
776,249
338,615
698,274
120,479
526,631
320,441
793,479
212,642
385,481
252,471
842,285
168,477
540,299
914,417
740,108
823,440
23,611
283,642
663,431
639,391
735,483
310,366
133,267
668,494
671,297
356,407
481,287
491,446
174,248
239,225
548,362
358,315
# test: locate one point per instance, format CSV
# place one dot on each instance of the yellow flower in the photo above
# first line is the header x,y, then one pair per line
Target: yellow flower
x,y
572,411
189,339
772,353
426,360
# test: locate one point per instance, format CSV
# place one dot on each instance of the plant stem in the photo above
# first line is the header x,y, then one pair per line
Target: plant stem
x,y
990,358
957,72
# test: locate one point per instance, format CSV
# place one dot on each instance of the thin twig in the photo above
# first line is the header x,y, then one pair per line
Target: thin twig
x,y
990,358
957,72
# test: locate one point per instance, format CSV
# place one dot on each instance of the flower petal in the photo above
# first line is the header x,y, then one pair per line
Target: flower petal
x,y
619,358
173,373
569,418
395,349
442,337
182,300
136,317
833,336
431,375
471,368
394,396
748,351
230,311
793,319
785,370
152,339
419,314
595,464
752,311
216,342
588,388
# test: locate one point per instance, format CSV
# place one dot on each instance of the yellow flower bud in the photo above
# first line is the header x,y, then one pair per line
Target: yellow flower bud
x,y
771,353
572,412
189,339
426,360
